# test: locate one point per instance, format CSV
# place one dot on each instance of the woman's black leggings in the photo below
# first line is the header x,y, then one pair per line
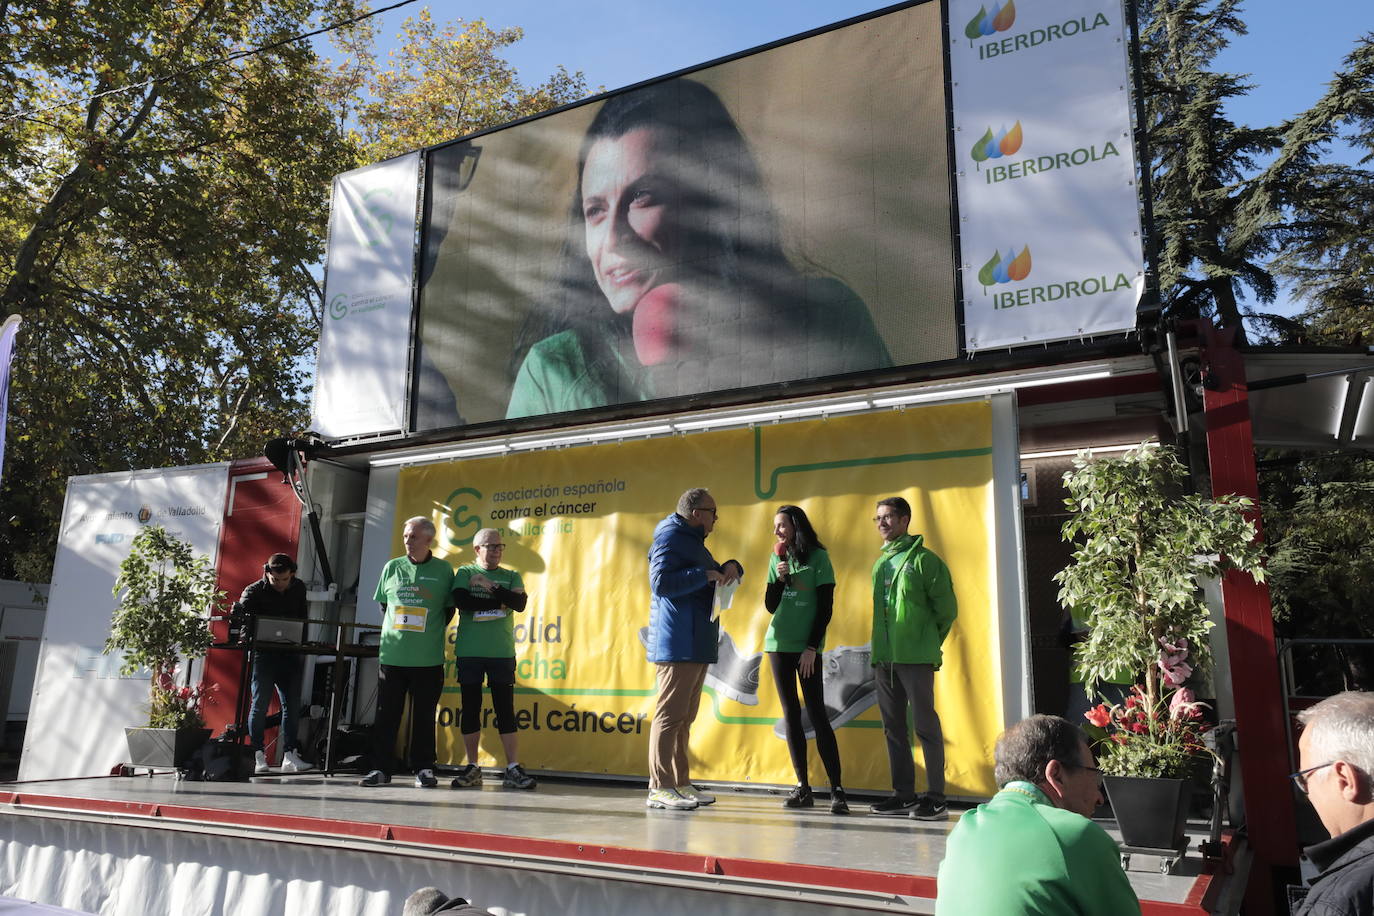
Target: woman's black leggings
x,y
786,674
502,703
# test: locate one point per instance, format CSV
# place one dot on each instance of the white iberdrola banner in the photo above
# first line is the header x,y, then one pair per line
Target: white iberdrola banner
x,y
1046,175
81,703
360,374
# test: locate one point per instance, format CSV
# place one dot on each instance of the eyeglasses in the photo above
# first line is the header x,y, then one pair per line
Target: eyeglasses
x,y
279,569
1300,777
878,519
490,546
714,513
1080,766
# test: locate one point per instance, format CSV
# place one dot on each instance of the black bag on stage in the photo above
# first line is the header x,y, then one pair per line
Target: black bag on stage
x,y
219,760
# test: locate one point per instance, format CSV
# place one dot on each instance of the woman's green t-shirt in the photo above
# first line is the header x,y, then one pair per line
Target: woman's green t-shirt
x,y
791,625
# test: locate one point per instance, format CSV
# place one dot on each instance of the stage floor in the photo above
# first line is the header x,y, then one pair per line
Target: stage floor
x,y
746,833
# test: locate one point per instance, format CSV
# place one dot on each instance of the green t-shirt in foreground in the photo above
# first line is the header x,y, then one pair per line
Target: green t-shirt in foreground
x,y
790,627
1019,854
416,596
485,634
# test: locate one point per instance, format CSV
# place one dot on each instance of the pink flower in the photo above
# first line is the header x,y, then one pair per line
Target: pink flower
x,y
1100,716
1175,674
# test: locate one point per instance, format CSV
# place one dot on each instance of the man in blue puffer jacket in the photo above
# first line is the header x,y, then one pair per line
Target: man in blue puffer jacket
x,y
682,641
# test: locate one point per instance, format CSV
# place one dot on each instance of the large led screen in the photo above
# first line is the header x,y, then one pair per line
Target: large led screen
x,y
781,216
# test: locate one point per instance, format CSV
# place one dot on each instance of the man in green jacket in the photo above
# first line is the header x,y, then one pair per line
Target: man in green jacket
x,y
913,610
1032,849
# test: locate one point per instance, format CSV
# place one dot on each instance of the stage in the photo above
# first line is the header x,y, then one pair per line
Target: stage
x,y
121,844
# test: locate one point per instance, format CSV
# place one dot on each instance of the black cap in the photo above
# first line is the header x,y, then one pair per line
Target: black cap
x,y
280,561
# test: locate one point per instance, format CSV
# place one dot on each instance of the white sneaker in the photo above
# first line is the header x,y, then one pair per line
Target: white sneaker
x,y
669,798
425,779
696,795
260,766
291,763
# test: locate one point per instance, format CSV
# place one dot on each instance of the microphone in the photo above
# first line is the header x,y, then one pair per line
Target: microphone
x,y
654,326
780,550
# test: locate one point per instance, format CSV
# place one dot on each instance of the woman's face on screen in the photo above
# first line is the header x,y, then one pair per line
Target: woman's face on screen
x,y
630,204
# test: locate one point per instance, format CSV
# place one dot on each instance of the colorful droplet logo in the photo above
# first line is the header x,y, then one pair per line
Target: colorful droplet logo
x,y
1008,268
986,23
995,146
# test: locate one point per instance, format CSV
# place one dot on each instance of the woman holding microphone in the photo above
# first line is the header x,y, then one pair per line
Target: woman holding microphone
x,y
800,596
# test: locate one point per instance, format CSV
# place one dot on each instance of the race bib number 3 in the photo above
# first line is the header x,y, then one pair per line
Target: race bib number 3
x,y
408,619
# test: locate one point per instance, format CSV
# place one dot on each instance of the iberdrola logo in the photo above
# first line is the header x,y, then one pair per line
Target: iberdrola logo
x,y
995,146
1008,268
999,20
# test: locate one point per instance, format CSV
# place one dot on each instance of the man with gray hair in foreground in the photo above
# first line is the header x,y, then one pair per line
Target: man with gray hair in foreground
x,y
1033,849
1336,771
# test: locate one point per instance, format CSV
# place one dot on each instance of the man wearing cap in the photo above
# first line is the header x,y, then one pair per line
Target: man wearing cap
x,y
277,594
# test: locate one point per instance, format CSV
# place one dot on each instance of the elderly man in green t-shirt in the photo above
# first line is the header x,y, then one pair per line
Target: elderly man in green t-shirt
x,y
487,594
1033,849
414,591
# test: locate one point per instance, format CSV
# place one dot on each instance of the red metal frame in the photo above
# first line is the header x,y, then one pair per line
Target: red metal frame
x,y
1255,681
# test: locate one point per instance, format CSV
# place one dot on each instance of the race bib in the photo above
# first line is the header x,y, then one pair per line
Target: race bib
x,y
493,614
408,619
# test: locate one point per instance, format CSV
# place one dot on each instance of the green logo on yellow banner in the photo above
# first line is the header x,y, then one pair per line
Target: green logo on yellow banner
x,y
459,520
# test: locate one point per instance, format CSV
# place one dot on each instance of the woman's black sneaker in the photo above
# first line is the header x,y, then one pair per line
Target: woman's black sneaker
x,y
800,797
838,803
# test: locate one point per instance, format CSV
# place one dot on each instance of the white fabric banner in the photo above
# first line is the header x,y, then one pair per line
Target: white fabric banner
x,y
1049,218
361,370
123,869
81,703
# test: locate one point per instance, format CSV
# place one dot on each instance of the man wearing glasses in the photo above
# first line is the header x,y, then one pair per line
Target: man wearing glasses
x,y
913,610
682,641
1336,755
486,595
1033,849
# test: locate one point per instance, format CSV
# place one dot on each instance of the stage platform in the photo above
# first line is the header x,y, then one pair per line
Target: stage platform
x,y
276,843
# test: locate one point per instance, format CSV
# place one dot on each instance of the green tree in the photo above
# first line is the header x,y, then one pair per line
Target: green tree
x,y
163,211
1199,162
162,208
442,81
166,594
1319,521
1326,242
1140,546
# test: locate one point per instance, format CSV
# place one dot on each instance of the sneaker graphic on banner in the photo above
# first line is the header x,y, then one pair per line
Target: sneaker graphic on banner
x,y
849,689
734,676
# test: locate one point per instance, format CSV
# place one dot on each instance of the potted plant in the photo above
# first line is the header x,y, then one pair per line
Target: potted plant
x,y
166,595
1142,542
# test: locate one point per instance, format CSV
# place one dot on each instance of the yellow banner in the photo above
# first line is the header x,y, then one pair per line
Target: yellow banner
x,y
578,522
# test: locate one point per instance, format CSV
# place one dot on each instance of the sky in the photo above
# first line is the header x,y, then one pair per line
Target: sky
x,y
1292,49
1290,52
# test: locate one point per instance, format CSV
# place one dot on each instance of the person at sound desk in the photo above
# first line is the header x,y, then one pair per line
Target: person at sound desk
x,y
277,594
